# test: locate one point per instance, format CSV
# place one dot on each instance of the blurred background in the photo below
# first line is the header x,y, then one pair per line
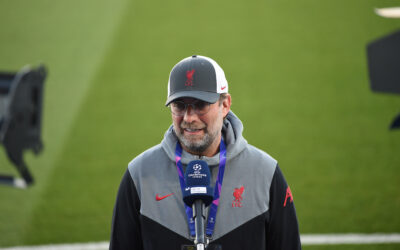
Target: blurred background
x,y
298,78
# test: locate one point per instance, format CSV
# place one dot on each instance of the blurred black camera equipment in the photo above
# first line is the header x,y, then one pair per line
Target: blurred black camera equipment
x,y
21,101
384,67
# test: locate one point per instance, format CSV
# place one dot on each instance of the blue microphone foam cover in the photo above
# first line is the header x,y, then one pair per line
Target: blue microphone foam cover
x,y
197,179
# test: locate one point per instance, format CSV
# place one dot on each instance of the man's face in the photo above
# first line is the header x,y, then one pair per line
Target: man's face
x,y
200,134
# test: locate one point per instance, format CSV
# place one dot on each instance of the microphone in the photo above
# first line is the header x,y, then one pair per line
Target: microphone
x,y
198,194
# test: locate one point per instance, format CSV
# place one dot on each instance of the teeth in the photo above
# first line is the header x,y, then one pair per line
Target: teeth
x,y
191,130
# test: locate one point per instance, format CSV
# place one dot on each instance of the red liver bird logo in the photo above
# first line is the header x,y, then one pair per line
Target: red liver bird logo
x,y
238,197
189,77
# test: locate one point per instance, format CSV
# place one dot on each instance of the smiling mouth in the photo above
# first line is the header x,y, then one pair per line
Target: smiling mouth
x,y
192,130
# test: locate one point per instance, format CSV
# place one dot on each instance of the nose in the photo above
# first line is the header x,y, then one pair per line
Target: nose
x,y
190,115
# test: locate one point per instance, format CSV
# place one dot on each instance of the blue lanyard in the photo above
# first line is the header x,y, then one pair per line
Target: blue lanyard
x,y
217,190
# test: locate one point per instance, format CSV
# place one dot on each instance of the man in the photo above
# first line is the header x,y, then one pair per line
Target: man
x,y
255,208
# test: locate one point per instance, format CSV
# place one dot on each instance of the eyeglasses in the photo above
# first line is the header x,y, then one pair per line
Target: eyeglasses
x,y
179,108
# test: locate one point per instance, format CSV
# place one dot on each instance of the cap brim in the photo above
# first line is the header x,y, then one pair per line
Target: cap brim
x,y
201,95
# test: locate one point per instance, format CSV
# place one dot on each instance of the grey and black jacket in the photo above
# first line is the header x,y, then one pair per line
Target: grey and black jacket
x,y
255,212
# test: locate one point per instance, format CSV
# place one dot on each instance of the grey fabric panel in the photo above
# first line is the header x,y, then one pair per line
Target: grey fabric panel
x,y
253,169
154,173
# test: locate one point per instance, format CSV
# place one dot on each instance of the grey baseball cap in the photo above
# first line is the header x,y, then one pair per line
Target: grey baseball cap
x,y
197,77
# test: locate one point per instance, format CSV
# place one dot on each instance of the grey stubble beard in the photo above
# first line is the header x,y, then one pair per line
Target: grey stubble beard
x,y
199,146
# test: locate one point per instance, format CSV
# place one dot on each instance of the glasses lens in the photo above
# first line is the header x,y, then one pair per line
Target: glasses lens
x,y
178,108
201,107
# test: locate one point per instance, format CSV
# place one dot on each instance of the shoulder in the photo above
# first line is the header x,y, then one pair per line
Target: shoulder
x,y
261,157
254,164
147,161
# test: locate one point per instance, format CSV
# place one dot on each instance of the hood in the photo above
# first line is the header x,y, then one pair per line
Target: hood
x,y
232,129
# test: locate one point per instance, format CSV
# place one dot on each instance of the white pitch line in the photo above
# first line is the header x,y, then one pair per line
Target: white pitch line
x,y
75,246
306,239
393,12
353,238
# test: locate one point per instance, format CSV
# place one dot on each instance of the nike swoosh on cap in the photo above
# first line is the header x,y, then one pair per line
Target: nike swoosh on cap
x,y
158,198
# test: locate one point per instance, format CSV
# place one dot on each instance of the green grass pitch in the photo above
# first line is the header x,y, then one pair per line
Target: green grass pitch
x,y
298,77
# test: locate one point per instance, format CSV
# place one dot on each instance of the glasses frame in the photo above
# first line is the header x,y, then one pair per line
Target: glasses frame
x,y
194,108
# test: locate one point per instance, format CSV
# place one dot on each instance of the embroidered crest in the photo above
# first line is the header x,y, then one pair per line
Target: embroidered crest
x,y
189,77
237,194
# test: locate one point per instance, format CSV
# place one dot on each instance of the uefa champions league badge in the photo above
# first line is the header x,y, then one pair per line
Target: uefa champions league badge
x,y
197,172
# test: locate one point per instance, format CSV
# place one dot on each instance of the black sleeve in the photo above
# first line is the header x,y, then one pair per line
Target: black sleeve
x,y
282,227
125,229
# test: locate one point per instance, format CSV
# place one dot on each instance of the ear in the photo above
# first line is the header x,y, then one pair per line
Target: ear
x,y
226,105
